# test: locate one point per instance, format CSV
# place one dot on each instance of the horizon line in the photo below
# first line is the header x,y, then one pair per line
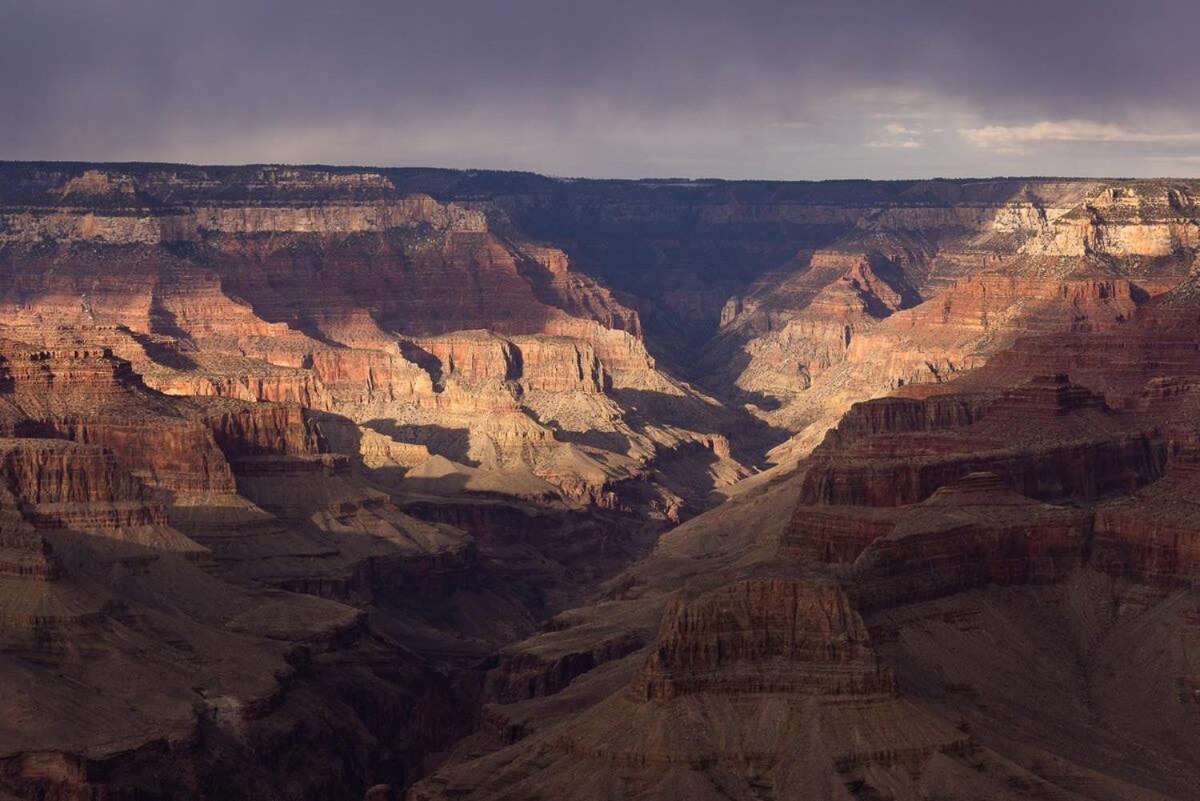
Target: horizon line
x,y
551,176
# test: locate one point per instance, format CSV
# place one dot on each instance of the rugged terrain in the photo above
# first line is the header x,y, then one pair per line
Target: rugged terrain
x,y
490,485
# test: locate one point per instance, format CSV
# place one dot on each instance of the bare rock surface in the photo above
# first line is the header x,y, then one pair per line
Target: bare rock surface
x,y
346,483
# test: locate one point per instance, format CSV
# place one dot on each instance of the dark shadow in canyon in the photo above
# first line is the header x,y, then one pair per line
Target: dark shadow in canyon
x,y
425,360
612,441
358,709
750,438
452,443
722,387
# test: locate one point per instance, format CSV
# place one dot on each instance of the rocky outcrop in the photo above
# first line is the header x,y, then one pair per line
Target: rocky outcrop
x,y
1084,469
836,534
242,430
153,226
46,471
791,652
94,398
1151,534
63,486
535,363
518,677
771,636
897,415
1124,221
1048,438
973,533
24,552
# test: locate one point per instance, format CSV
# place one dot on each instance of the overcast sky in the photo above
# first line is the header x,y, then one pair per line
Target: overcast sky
x,y
748,89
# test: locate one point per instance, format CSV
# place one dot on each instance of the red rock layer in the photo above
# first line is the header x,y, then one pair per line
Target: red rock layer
x,y
258,429
1154,535
763,636
1047,438
896,415
1085,469
973,533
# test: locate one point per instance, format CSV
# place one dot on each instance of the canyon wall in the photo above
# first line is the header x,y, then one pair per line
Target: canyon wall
x,y
491,485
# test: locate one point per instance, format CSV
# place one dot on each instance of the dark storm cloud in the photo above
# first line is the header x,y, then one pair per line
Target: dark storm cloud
x,y
795,89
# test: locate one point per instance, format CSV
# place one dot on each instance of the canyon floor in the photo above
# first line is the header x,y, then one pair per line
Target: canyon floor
x,y
344,483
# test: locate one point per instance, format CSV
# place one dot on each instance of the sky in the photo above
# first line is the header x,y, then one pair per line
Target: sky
x,y
611,88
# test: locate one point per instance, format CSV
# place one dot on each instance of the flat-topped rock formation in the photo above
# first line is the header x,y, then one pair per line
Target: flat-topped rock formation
x,y
759,686
974,533
1050,439
762,637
